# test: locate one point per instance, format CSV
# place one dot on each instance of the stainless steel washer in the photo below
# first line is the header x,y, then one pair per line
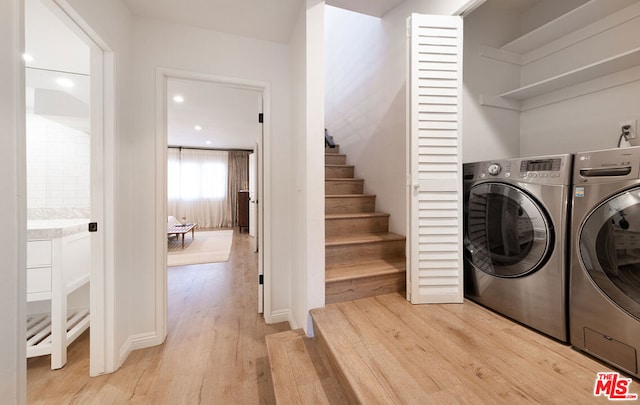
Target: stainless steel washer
x,y
604,305
515,237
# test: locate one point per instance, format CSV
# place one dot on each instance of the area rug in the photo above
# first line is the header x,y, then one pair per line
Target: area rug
x,y
205,247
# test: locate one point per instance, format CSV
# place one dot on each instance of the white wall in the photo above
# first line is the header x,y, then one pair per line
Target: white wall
x,y
161,45
307,273
298,141
366,96
57,166
489,132
12,206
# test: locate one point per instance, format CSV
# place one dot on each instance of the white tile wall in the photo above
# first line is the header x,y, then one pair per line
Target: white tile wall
x,y
57,165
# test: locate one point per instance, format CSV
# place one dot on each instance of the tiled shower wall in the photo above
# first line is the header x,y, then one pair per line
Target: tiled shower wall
x,y
58,171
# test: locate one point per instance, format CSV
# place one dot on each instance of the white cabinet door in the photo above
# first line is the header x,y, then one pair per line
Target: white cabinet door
x,y
434,86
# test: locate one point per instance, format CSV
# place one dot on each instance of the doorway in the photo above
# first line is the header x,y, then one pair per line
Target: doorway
x,y
262,147
69,111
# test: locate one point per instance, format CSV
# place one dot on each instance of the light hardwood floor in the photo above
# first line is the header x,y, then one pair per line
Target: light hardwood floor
x,y
215,352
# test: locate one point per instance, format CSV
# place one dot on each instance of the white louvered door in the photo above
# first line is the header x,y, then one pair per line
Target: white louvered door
x,y
434,87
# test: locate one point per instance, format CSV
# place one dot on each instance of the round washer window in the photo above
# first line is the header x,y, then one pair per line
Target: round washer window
x,y
610,249
507,233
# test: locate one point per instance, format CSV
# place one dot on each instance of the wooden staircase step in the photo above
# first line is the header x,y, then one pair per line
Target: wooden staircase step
x,y
301,371
363,222
348,203
335,150
343,186
338,171
365,269
365,279
335,159
354,248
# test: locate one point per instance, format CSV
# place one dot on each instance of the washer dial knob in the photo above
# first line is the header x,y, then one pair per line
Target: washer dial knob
x,y
494,169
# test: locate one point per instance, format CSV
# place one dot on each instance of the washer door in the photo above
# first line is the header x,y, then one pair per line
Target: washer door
x,y
506,233
609,242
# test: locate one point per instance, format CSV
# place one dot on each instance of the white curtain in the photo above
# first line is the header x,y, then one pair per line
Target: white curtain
x,y
197,187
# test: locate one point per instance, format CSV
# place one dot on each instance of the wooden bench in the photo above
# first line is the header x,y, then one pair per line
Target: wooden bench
x,y
181,230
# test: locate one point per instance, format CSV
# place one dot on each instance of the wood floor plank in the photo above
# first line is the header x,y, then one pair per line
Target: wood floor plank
x,y
215,351
455,353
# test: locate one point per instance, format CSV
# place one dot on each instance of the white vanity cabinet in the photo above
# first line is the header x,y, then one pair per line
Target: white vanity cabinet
x,y
58,264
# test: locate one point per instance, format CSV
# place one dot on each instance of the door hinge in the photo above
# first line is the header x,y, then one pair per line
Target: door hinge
x,y
261,279
261,118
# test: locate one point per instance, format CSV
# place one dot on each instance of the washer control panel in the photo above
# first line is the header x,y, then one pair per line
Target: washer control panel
x,y
542,170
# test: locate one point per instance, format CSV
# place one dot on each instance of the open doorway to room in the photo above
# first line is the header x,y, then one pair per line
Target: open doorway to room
x,y
69,112
212,129
216,132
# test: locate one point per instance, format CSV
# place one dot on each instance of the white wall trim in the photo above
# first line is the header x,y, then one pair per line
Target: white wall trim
x,y
135,342
264,230
283,315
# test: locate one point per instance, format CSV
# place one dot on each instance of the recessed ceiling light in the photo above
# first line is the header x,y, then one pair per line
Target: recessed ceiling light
x,y
27,58
178,99
198,128
208,142
64,82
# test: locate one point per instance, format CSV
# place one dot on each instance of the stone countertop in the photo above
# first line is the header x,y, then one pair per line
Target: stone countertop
x,y
55,228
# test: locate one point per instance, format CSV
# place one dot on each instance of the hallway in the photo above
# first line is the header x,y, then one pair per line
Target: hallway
x,y
215,350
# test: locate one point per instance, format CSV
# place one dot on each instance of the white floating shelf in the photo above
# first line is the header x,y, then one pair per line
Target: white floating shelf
x,y
577,18
604,67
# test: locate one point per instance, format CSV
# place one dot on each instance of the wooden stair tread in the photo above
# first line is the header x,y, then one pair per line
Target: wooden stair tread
x,y
349,196
339,166
300,370
357,215
360,238
343,179
365,269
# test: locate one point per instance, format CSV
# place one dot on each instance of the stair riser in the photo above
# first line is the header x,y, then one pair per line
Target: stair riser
x,y
335,159
348,290
349,205
347,254
331,172
343,187
332,150
356,225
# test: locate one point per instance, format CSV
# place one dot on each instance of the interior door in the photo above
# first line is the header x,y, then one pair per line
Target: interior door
x,y
253,200
434,165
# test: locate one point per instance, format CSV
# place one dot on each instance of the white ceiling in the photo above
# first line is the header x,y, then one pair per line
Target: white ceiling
x,y
228,115
271,20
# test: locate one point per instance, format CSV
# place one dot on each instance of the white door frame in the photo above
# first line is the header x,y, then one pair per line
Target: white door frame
x,y
264,184
102,289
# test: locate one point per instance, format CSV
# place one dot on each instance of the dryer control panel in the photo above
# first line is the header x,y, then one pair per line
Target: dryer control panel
x,y
607,165
552,170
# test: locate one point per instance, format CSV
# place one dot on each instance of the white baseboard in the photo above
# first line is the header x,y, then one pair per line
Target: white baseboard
x,y
280,316
135,342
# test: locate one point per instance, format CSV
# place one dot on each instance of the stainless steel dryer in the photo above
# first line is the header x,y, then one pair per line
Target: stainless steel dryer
x,y
516,237
604,304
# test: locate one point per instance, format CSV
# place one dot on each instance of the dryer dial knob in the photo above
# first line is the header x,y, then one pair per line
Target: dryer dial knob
x,y
494,169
